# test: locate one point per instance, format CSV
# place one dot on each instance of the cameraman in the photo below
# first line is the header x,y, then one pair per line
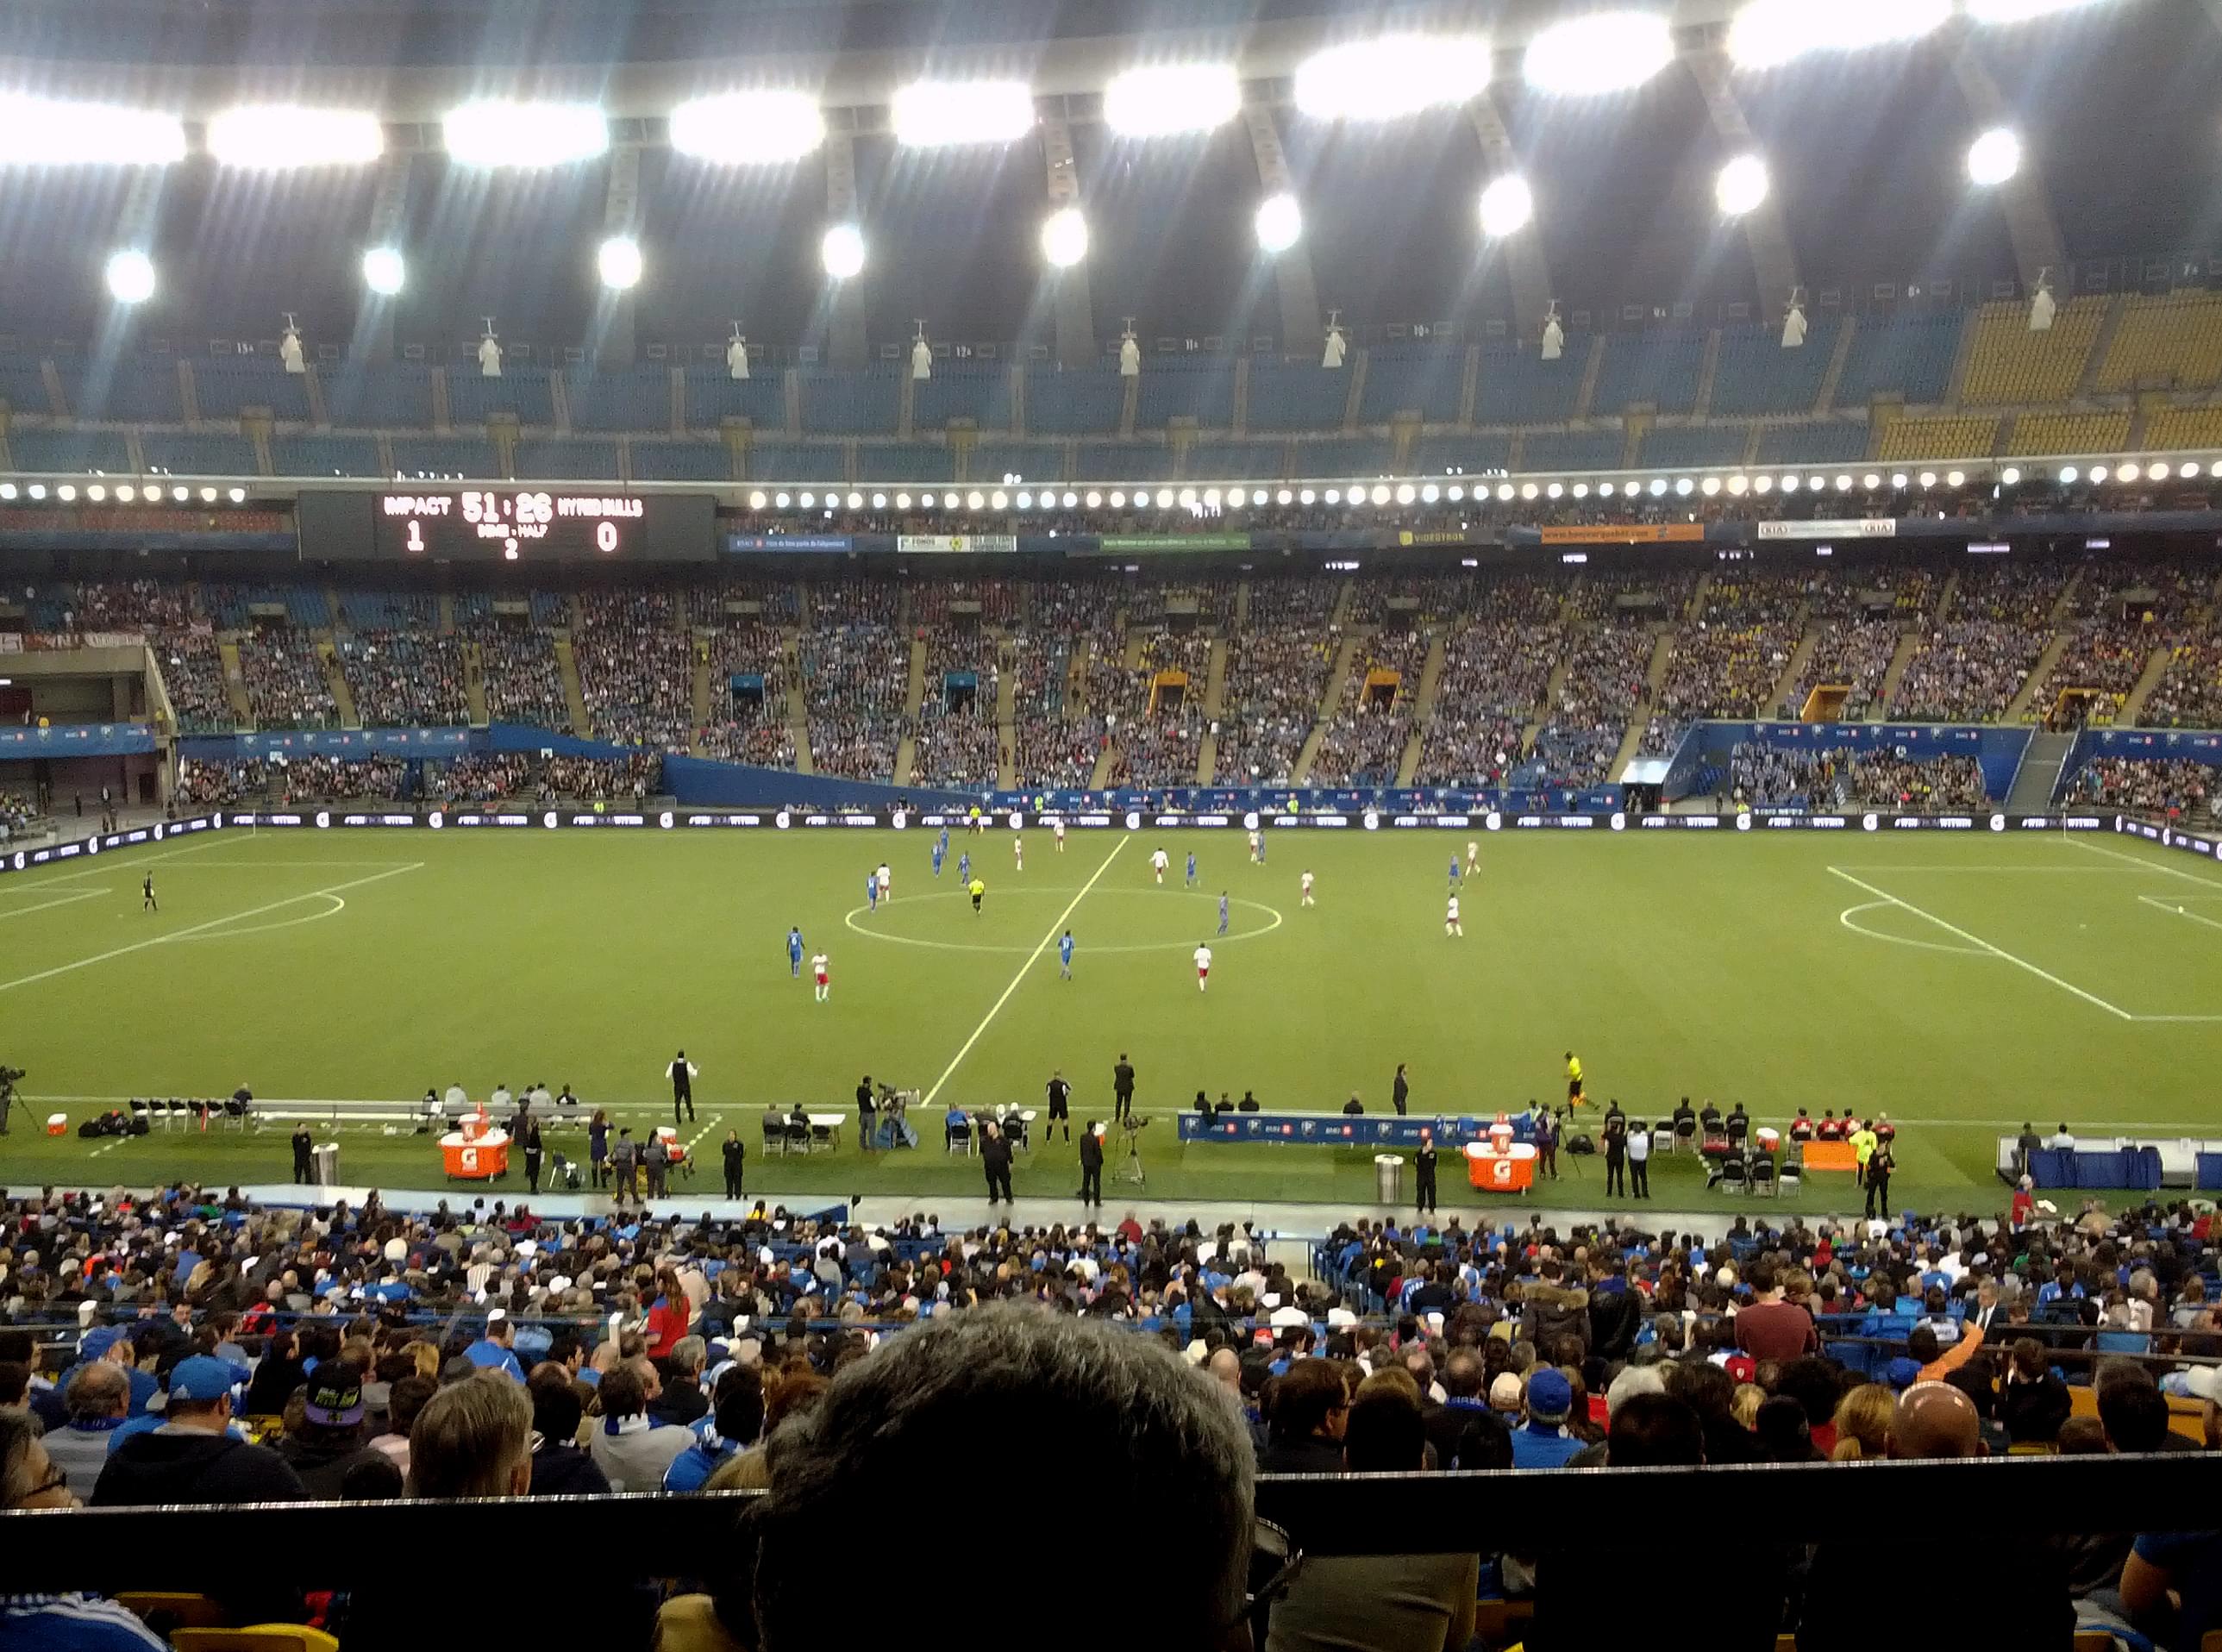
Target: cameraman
x,y
8,1078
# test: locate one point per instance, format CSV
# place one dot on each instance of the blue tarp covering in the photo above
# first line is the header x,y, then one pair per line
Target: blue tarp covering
x,y
2135,1168
1338,1130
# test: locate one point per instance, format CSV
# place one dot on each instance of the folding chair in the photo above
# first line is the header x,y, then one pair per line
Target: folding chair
x,y
774,1135
798,1135
1728,1173
142,1109
1762,1176
957,1138
1792,1176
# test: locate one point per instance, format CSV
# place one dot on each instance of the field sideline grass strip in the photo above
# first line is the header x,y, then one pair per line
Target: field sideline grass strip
x,y
1032,958
2143,864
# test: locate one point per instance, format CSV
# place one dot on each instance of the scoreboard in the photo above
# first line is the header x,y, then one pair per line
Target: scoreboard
x,y
512,524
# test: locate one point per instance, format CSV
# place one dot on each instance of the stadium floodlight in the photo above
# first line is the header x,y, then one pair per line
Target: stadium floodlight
x,y
67,492
1606,490
1211,499
1994,158
780,501
1237,498
1741,186
96,493
48,132
999,500
1790,483
1762,484
207,496
1429,494
2097,473
854,501
2158,470
1766,33
1064,237
1334,496
1843,484
1026,499
1870,481
1711,487
2127,473
1391,76
1280,222
1956,477
842,251
1164,499
238,496
756,499
1283,497
125,492
273,138
2020,11
1602,52
1739,485
1899,480
1581,490
933,114
808,501
949,501
1172,98
1530,492
619,263
384,270
1928,478
1070,501
1556,490
765,127
496,132
181,493
1508,206
1094,500
1186,498
1684,488
1118,499
130,276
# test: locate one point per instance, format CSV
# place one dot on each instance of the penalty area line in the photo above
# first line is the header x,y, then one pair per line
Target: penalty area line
x,y
1025,969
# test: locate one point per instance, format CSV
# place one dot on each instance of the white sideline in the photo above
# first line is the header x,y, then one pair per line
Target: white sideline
x,y
2144,865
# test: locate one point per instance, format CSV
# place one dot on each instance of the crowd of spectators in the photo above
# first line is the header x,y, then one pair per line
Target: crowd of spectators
x,y
483,777
1495,671
1967,670
286,686
2173,786
1944,785
856,675
201,784
192,672
523,678
1727,661
2106,654
1276,673
321,779
1159,734
406,679
18,811
1853,652
2189,693
1780,777
956,741
749,726
635,668
143,606
1598,694
1365,740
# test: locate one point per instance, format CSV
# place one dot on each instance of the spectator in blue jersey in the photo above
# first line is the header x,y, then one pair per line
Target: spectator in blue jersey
x,y
731,1428
632,1450
55,1623
1542,1440
492,1351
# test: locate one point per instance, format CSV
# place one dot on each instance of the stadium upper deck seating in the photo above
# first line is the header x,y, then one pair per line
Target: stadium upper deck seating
x,y
1574,451
1755,375
624,398
1081,401
1197,387
1937,438
1425,378
2173,341
1908,356
527,392
1028,461
325,455
1815,443
469,456
1690,445
23,385
68,450
224,387
124,391
579,458
2007,362
978,390
189,453
851,404
904,461
1444,454
1297,395
2048,433
712,397
1111,461
379,395
1660,368
2176,428
1340,456
1237,461
1518,387
681,461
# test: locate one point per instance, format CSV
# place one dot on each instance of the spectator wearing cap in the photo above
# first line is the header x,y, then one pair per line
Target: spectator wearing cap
x,y
491,1352
329,1441
1505,1394
1542,1440
194,1457
560,1468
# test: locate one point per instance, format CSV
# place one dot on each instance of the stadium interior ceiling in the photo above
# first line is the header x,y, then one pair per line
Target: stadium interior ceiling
x,y
1867,152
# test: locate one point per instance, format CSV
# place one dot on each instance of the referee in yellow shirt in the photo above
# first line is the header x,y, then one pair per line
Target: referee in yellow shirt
x,y
975,891
1573,1079
1863,1141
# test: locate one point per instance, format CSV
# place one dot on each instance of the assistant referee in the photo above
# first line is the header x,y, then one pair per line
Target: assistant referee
x,y
1573,1079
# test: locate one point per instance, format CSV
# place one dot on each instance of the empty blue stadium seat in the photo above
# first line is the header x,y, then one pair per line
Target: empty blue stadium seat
x,y
23,385
580,460
681,461
1085,401
979,391
1122,461
1340,458
127,391
180,453
474,456
1197,387
1829,442
325,455
1573,451
524,390
1661,368
1237,461
378,394
712,398
1692,445
66,451
904,461
851,404
226,386
1755,375
1460,455
618,398
393,610
1026,461
1518,387
1404,378
1908,355
804,464
1297,395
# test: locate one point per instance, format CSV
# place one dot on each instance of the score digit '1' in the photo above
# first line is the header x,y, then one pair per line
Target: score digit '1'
x,y
416,536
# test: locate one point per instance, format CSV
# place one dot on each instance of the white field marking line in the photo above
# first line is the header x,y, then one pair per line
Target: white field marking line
x,y
62,900
1995,952
338,906
1846,916
33,880
257,865
1981,869
716,1119
195,929
2155,901
2144,865
1025,969
848,921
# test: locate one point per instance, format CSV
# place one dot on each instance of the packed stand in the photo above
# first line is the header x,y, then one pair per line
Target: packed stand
x,y
635,668
522,677
1859,638
286,686
202,785
2189,695
1945,785
1160,746
1496,669
319,779
406,679
1364,741
1767,776
192,672
1966,671
957,744
482,777
1276,676
1727,662
753,728
148,606
1598,698
2174,786
856,675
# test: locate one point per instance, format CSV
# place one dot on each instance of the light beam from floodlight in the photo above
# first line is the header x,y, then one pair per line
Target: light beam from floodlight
x,y
1604,52
1172,98
384,270
498,133
1064,237
1994,158
618,261
842,251
272,137
130,276
1508,206
2020,11
1280,223
48,132
1392,77
930,114
1766,33
1741,186
765,127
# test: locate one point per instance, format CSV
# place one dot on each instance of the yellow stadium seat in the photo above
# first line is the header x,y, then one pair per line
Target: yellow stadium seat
x,y
1938,438
2173,340
2038,434
2010,364
262,1638
2172,430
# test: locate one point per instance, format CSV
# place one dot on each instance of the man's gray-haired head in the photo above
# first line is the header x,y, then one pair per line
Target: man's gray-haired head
x,y
1631,1381
998,1409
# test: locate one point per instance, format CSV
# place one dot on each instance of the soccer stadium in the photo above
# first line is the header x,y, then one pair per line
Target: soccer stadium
x,y
1403,778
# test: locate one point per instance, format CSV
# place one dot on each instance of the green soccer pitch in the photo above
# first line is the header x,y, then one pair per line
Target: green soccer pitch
x,y
1963,981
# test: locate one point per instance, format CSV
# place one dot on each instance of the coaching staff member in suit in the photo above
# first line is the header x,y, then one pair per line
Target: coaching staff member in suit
x,y
682,1088
736,1152
1424,1172
1091,1165
1122,1088
995,1160
304,1171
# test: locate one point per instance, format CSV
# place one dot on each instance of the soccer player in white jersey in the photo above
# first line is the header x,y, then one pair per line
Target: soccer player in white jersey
x,y
1203,968
1158,861
1473,855
1018,853
1450,925
1058,827
1253,848
887,880
1308,888
817,972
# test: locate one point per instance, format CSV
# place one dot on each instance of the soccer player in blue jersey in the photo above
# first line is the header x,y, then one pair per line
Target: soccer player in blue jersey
x,y
1064,956
794,953
872,889
940,848
1191,868
1454,870
965,868
1222,912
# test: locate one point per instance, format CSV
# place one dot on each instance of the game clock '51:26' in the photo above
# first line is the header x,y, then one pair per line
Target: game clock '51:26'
x,y
510,523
